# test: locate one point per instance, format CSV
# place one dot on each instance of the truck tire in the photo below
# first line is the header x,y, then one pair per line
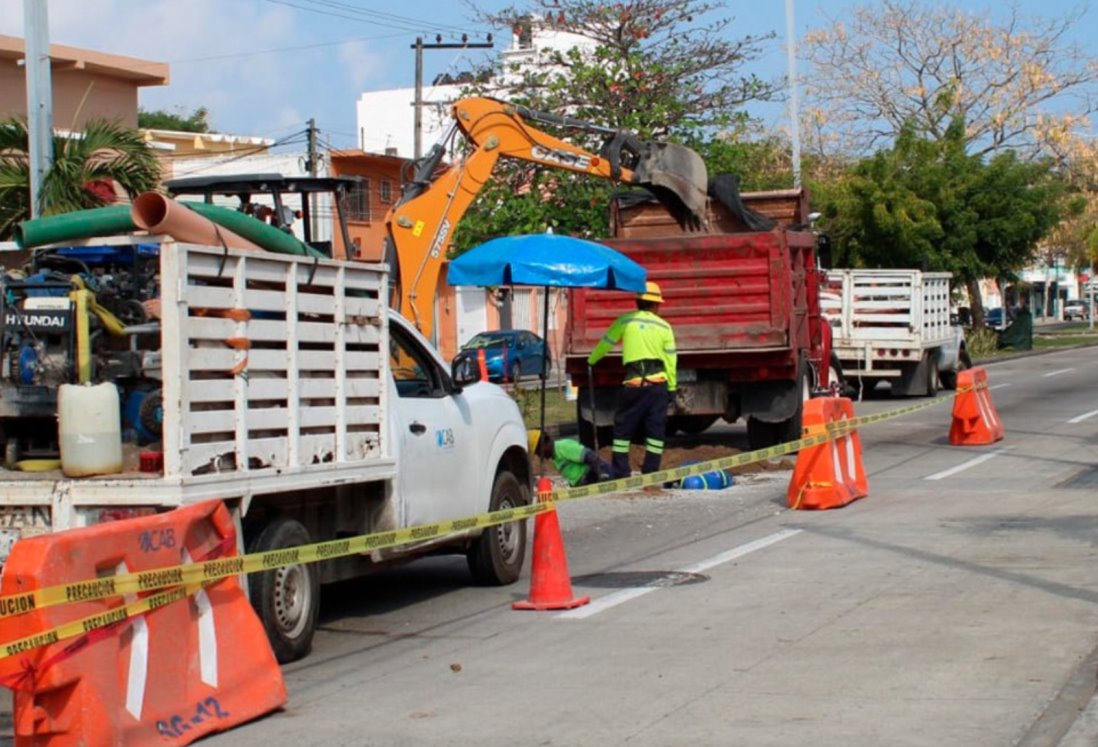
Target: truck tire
x,y
495,558
287,599
761,434
587,430
949,378
931,374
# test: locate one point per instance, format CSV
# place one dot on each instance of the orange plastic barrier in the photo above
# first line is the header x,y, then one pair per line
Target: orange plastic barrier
x,y
182,671
550,585
829,475
976,422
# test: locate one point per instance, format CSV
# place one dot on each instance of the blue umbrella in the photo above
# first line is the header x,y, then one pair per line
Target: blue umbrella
x,y
548,260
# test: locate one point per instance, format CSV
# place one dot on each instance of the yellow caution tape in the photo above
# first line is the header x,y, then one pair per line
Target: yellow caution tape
x,y
212,570
194,575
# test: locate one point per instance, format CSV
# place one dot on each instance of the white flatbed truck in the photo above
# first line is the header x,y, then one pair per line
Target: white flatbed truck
x,y
335,419
894,325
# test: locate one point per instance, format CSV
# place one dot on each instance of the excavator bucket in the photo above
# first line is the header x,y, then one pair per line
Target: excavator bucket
x,y
669,168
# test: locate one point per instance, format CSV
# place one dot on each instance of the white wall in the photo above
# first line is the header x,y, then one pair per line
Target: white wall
x,y
386,119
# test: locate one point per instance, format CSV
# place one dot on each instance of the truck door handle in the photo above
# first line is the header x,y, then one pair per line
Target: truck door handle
x,y
417,428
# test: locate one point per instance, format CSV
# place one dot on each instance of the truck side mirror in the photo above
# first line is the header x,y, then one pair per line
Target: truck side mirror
x,y
823,251
464,371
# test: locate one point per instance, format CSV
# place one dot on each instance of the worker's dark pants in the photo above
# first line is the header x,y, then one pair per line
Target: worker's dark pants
x,y
640,409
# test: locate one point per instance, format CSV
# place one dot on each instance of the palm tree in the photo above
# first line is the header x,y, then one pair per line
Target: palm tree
x,y
105,153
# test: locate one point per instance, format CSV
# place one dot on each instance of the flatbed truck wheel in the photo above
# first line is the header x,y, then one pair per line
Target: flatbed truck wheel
x,y
287,599
495,558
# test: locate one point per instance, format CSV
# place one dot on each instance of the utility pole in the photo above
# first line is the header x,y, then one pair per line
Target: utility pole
x,y
312,166
794,109
311,163
419,46
39,95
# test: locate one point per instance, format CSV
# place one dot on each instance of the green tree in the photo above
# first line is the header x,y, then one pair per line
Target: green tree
x,y
161,119
927,203
85,166
660,69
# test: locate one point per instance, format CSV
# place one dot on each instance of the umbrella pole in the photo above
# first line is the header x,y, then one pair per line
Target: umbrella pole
x,y
544,354
591,393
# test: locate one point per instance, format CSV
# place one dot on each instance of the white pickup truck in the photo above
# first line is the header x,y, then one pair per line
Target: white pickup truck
x,y
335,418
893,325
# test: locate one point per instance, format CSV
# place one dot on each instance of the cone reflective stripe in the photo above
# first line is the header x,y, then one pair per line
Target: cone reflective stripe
x,y
550,585
976,422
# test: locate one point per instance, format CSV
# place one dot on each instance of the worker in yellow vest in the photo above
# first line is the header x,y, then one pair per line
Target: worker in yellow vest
x,y
648,354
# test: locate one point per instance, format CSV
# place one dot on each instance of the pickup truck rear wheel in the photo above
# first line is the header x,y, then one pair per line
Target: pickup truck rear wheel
x,y
949,378
287,599
495,558
931,374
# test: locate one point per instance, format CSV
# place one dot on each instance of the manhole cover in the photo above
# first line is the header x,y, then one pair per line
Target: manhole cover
x,y
639,579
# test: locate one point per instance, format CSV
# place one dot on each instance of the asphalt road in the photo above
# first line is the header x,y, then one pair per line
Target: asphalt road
x,y
956,605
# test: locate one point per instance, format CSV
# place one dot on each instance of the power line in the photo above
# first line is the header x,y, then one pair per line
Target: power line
x,y
410,25
274,50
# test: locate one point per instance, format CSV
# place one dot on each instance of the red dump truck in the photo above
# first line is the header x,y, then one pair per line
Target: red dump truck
x,y
742,295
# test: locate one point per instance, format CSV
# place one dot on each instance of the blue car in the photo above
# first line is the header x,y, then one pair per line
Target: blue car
x,y
994,319
509,354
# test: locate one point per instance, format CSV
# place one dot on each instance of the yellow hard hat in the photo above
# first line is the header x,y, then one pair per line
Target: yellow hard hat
x,y
651,293
532,437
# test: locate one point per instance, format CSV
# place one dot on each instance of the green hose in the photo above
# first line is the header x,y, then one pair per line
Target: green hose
x,y
81,224
254,230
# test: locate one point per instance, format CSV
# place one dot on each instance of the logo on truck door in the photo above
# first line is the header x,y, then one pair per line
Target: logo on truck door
x,y
444,437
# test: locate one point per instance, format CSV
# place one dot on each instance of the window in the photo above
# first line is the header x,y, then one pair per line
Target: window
x,y
385,191
358,201
415,373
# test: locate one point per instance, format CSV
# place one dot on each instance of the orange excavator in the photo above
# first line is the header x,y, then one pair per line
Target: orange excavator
x,y
421,224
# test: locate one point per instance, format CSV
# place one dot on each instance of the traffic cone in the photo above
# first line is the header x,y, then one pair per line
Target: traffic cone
x,y
550,585
482,364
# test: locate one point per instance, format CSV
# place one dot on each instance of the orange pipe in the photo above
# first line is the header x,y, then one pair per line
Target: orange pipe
x,y
157,214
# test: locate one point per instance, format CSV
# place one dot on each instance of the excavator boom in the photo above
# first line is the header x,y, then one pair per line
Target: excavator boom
x,y
422,223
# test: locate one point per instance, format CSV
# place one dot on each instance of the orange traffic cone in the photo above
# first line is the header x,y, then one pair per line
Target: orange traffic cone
x,y
482,365
550,585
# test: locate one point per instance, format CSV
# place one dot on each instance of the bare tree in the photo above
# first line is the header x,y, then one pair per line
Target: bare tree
x,y
884,64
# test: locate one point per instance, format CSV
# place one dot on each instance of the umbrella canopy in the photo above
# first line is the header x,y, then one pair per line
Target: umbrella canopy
x,y
546,259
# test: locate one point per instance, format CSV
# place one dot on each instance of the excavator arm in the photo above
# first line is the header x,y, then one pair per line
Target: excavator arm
x,y
421,224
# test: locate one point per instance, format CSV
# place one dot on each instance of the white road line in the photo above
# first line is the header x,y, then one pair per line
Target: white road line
x,y
626,595
997,386
1057,373
965,465
1084,416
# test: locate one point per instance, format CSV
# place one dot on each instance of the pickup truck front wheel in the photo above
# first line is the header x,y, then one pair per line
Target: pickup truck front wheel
x,y
286,598
496,557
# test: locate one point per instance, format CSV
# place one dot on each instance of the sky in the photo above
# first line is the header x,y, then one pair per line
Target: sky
x,y
264,67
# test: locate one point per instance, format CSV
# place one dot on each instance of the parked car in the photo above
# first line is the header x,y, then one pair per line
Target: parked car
x,y
509,354
1076,310
995,318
